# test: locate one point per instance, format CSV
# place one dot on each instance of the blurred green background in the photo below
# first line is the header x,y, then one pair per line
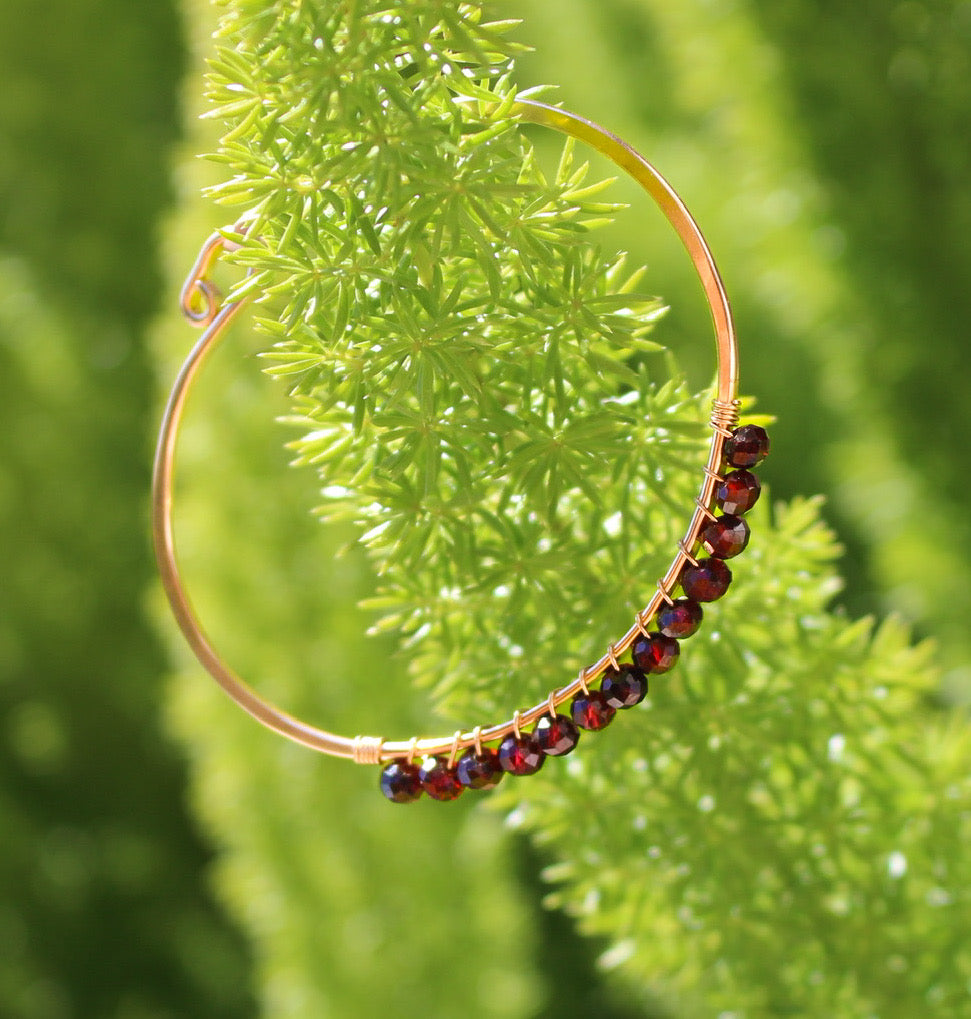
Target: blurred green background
x,y
826,150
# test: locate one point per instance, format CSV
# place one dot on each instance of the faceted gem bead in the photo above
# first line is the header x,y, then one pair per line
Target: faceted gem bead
x,y
400,782
724,537
738,492
655,653
479,771
624,687
680,619
707,581
521,755
438,779
557,735
748,446
591,710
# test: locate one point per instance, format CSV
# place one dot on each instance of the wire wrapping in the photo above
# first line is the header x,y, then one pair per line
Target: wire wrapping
x,y
367,749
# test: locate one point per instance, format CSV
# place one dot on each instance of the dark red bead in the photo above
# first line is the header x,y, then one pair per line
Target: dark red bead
x,y
557,735
680,619
724,537
707,581
400,782
479,771
748,446
624,687
521,755
738,492
591,710
439,780
655,653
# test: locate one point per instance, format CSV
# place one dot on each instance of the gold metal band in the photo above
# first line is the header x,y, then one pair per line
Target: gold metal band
x,y
201,305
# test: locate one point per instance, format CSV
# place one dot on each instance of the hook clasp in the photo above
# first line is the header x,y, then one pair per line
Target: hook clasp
x,y
200,298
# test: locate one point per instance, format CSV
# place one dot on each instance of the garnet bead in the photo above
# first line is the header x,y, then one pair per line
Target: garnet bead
x,y
680,619
707,581
748,446
438,779
738,492
557,735
479,771
400,782
624,687
655,653
521,755
591,710
724,537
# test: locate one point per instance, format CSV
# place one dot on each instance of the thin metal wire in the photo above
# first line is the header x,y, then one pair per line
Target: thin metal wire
x,y
686,552
705,510
202,306
579,684
454,752
367,749
724,415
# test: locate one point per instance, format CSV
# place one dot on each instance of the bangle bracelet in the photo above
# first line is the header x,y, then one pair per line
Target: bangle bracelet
x,y
444,766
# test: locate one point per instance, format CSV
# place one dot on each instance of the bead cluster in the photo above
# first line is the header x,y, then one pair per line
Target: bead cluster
x,y
622,685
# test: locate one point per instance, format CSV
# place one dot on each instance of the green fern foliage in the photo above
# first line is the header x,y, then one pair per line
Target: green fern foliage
x,y
778,830
460,351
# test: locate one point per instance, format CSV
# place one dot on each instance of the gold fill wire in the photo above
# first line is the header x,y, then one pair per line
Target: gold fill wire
x,y
216,318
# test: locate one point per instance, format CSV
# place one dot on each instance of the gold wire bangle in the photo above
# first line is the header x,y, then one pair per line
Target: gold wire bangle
x,y
202,305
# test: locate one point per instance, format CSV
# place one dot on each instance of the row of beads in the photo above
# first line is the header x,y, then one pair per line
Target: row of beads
x,y
556,734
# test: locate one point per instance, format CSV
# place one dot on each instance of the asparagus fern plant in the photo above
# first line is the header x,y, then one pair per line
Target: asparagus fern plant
x,y
779,829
